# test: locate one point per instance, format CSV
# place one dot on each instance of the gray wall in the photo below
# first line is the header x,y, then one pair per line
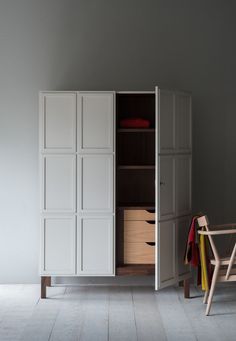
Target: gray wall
x,y
105,45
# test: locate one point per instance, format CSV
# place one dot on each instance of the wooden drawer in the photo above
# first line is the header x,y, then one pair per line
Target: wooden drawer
x,y
138,215
138,231
139,253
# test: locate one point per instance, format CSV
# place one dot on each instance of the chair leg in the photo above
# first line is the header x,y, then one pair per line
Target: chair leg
x,y
212,289
205,297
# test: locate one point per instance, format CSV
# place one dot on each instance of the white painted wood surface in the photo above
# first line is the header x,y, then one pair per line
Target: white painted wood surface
x,y
183,166
58,183
95,122
173,182
167,187
57,122
167,253
95,183
167,121
183,122
95,249
182,229
58,245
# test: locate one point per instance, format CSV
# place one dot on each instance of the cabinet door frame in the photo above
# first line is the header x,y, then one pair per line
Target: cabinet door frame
x,y
42,127
111,147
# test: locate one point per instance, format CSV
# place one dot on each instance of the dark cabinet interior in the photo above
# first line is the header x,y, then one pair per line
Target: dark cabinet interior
x,y
135,183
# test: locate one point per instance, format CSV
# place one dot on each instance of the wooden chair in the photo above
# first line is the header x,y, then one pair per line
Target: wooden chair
x,y
223,271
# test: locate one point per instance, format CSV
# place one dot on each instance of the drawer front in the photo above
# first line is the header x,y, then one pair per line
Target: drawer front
x,y
138,231
138,215
139,253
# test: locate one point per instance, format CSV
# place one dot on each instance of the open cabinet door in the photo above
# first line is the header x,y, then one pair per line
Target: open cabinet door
x,y
165,272
173,184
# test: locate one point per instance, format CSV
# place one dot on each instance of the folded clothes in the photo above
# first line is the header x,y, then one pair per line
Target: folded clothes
x,y
134,123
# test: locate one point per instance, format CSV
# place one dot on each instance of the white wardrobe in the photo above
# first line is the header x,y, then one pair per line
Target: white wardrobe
x,y
97,202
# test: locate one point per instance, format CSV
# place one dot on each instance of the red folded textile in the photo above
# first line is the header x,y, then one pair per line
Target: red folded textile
x,y
134,123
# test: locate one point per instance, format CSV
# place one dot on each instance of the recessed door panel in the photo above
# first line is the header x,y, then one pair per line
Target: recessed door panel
x,y
95,246
167,123
95,122
183,122
58,245
58,183
166,253
183,184
95,185
167,187
182,228
58,122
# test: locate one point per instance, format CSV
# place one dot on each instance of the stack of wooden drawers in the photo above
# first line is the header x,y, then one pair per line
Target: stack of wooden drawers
x,y
139,237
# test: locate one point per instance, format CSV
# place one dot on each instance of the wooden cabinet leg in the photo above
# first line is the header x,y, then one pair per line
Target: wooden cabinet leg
x,y
45,282
187,288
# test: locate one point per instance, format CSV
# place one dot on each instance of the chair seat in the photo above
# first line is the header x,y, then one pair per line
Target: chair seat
x,y
223,261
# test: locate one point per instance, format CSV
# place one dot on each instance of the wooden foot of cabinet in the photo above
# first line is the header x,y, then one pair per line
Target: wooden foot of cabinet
x,y
187,288
45,282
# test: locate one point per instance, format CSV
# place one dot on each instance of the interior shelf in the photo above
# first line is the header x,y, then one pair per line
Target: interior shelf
x,y
135,269
135,206
136,167
136,130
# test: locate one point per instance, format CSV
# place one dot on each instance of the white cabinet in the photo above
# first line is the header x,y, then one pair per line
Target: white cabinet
x,y
95,122
57,122
58,245
58,183
95,183
95,240
79,178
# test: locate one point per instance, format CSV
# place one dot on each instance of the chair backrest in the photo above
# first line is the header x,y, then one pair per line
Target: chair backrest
x,y
203,222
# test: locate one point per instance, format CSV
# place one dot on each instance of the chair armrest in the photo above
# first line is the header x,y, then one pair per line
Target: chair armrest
x,y
219,232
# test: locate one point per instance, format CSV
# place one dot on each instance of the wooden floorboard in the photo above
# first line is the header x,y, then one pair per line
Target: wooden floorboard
x,y
147,315
124,313
176,322
122,324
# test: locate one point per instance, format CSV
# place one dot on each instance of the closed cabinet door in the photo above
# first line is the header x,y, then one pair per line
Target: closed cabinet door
x,y
183,184
166,254
95,122
183,138
58,183
167,187
182,228
95,183
58,245
95,240
58,122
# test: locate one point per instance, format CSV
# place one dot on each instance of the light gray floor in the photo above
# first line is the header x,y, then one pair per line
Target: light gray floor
x,y
114,313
